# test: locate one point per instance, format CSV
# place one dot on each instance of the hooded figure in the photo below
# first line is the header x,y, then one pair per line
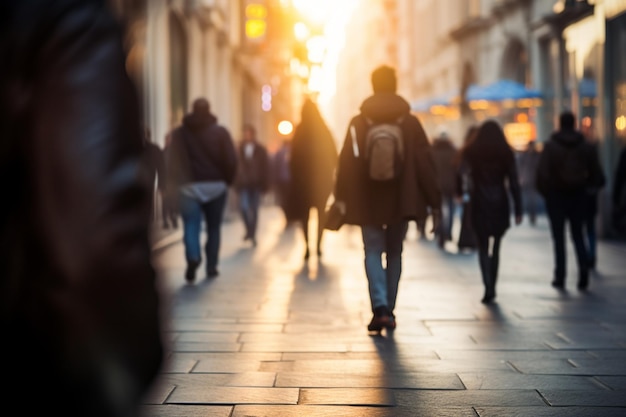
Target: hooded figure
x,y
312,168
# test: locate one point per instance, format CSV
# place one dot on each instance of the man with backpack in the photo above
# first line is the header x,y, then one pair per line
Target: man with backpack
x,y
568,167
385,178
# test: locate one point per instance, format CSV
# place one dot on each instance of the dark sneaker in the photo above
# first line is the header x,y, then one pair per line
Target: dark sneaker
x,y
190,273
382,318
212,273
378,322
558,284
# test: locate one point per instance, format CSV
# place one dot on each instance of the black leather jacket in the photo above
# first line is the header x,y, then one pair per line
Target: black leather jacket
x,y
79,306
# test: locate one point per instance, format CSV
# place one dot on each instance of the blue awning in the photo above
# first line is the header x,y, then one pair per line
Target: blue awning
x,y
587,88
500,91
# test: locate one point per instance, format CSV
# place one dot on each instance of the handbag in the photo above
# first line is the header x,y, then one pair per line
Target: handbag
x,y
335,216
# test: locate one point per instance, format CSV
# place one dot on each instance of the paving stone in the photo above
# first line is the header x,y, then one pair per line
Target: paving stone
x,y
617,383
252,379
418,353
512,381
550,411
385,380
577,366
232,395
347,396
347,411
205,347
207,337
556,397
185,411
222,366
513,355
291,347
466,398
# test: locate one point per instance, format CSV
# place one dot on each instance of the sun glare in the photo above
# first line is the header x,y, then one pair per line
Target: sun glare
x,y
332,16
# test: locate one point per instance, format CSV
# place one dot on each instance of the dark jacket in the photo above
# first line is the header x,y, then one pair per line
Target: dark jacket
x,y
79,306
254,172
444,154
493,173
548,181
313,162
369,202
202,150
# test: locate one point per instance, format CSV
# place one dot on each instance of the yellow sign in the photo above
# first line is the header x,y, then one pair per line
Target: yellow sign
x,y
256,24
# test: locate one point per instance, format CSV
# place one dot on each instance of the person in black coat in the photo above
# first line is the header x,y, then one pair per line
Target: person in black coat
x,y
312,166
493,172
79,302
565,192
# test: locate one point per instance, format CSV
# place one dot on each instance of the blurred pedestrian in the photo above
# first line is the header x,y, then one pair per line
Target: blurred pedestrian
x,y
591,204
312,167
79,303
567,168
203,164
252,180
493,172
619,194
382,191
444,154
467,238
528,162
282,178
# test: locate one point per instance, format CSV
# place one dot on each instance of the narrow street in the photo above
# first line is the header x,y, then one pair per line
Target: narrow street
x,y
274,335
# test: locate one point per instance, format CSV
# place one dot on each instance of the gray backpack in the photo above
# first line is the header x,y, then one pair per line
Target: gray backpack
x,y
384,150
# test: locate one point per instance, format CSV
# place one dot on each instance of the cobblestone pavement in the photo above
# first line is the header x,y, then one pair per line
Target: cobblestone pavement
x,y
274,335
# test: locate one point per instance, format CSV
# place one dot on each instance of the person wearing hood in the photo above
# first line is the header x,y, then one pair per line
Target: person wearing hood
x,y
203,163
383,208
568,167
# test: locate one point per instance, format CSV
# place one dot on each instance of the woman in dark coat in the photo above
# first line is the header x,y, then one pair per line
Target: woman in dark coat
x,y
493,173
313,161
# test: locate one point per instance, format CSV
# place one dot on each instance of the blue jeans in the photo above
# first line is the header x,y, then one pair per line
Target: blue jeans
x,y
383,281
192,212
249,201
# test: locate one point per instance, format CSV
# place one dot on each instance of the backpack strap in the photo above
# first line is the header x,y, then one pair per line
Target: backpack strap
x,y
355,145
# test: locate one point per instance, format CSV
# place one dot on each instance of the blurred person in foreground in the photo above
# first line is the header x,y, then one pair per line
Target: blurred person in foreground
x,y
568,167
202,166
312,167
493,171
79,300
383,207
252,180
